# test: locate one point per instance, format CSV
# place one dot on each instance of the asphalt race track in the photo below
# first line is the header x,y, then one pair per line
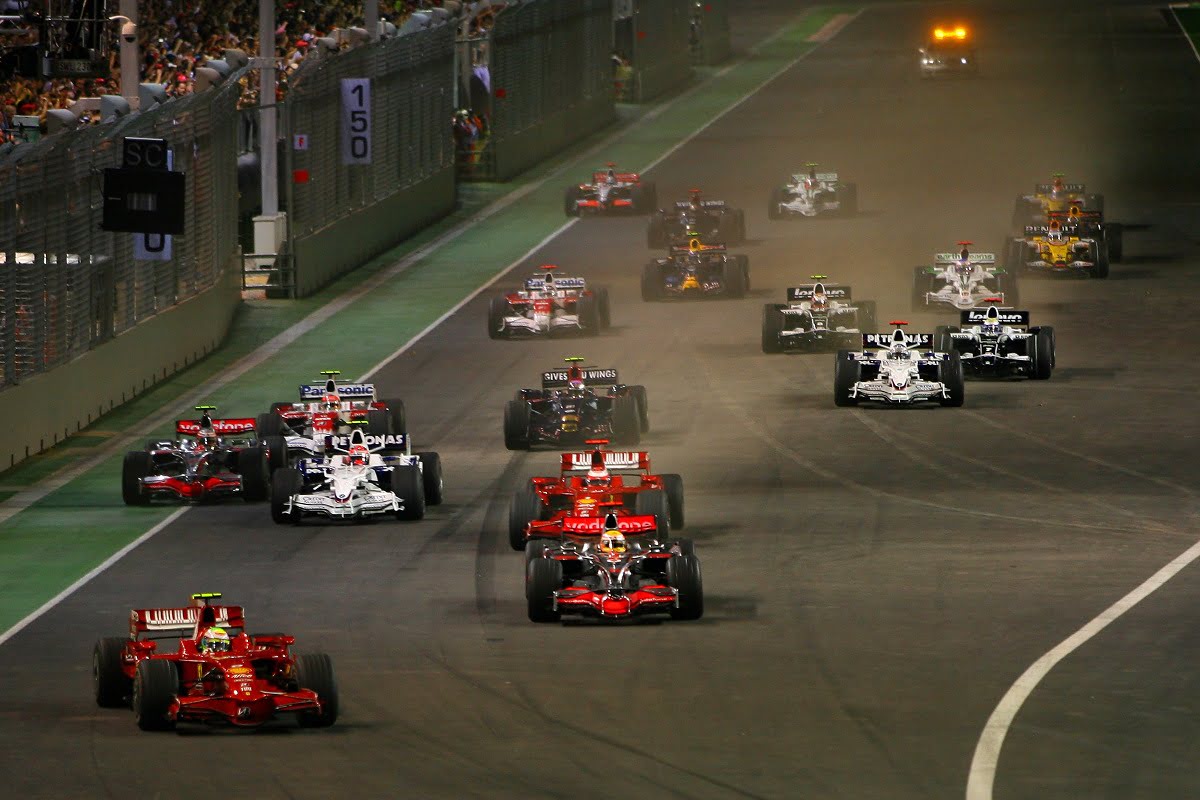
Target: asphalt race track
x,y
876,578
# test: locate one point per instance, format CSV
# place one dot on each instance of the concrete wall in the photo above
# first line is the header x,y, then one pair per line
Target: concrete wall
x,y
46,408
551,135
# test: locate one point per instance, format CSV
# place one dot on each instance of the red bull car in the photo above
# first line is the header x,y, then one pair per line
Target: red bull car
x,y
211,459
549,304
589,487
210,671
611,191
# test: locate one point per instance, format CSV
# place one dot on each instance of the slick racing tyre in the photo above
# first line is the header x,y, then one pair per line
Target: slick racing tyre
x,y
603,307
744,263
526,507
543,577
277,452
109,682
136,466
379,422
1041,354
654,502
571,201
399,421
734,278
535,549
155,685
497,311
269,424
256,473
643,401
285,484
516,425
626,421
673,486
942,341
431,477
315,671
1100,257
410,490
846,373
588,312
950,373
1114,235
772,326
683,575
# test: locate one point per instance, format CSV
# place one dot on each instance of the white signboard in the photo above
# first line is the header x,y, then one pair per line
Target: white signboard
x,y
356,120
154,246
300,141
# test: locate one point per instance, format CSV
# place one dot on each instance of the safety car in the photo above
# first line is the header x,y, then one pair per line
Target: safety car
x,y
962,280
999,342
811,193
611,191
574,404
898,368
949,51
696,270
712,220
817,316
549,304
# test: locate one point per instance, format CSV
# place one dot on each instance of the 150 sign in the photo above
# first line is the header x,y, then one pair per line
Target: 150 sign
x,y
356,120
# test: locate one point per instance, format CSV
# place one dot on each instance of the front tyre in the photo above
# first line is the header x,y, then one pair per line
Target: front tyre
x,y
155,685
315,671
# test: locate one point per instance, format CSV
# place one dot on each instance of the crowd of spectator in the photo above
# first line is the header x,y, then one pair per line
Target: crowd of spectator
x,y
178,36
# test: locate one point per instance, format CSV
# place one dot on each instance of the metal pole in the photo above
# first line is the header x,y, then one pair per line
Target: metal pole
x,y
371,18
267,144
130,72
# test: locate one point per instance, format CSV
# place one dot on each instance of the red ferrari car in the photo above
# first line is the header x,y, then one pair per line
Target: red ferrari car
x,y
216,675
591,485
212,459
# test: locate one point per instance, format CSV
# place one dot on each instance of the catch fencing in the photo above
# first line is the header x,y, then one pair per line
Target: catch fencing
x,y
710,32
67,286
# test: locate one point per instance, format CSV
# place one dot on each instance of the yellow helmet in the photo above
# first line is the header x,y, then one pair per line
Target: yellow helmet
x,y
613,541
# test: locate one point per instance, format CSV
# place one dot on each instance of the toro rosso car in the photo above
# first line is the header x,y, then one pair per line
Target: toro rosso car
x,y
614,578
999,342
949,52
329,407
211,459
575,404
359,478
210,671
696,270
962,280
898,368
611,191
817,316
1057,250
713,220
811,193
549,305
590,486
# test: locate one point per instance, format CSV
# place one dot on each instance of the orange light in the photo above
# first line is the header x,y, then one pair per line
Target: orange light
x,y
960,32
939,34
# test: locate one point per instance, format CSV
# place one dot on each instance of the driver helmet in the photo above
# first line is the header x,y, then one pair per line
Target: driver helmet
x,y
612,541
215,640
991,322
1057,189
819,298
1055,234
331,402
206,438
611,177
694,197
358,455
576,387
898,350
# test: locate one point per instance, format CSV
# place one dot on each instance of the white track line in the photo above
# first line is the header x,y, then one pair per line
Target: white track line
x,y
1183,29
26,498
982,777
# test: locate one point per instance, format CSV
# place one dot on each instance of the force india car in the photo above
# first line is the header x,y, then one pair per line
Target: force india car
x,y
712,220
360,478
696,270
999,342
898,368
1057,250
817,316
252,680
614,579
590,486
962,280
576,404
811,193
549,305
611,191
209,461
332,406
949,52
1058,196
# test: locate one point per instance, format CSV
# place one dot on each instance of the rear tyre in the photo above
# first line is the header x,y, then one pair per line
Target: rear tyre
x,y
744,263
626,421
772,326
431,477
526,507
950,373
516,425
571,201
846,373
603,307
1100,259
543,577
399,419
654,502
942,341
673,486
256,473
155,685
379,422
135,467
285,483
588,313
1042,357
315,671
1114,234
277,453
109,682
683,575
269,424
643,401
735,280
410,490
535,549
497,311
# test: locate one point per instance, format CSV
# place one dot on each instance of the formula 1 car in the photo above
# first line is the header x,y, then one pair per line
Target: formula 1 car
x,y
549,305
817,316
712,220
614,579
1091,225
962,280
208,461
999,342
811,193
611,191
591,485
332,406
1057,250
1055,197
696,270
576,404
948,52
364,480
898,368
215,675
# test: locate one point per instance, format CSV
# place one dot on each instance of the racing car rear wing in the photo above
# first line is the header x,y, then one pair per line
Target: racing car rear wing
x,y
373,441
833,291
820,176
883,341
688,247
647,523
592,376
703,203
182,620
621,177
538,283
972,258
1069,188
347,391
220,426
613,461
1005,316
